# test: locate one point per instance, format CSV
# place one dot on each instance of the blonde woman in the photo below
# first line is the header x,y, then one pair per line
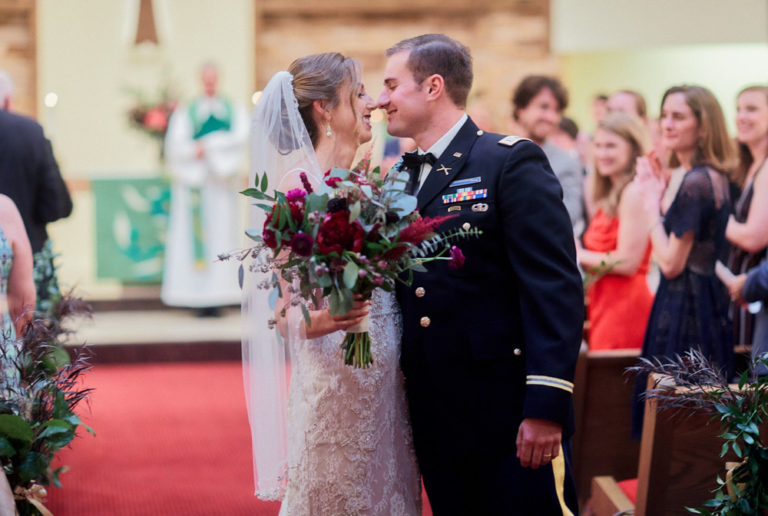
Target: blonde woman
x,y
747,227
616,246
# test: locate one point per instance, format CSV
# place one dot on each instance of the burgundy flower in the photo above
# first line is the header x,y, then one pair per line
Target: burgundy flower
x,y
305,182
336,234
297,212
296,195
457,258
301,244
336,204
267,234
417,231
332,181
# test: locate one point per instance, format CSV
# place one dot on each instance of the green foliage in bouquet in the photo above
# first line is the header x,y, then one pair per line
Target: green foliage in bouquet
x,y
741,410
355,233
37,406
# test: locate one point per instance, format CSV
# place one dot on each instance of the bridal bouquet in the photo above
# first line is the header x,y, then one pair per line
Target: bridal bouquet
x,y
353,234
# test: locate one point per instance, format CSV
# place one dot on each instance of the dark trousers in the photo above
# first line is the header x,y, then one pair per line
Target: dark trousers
x,y
497,486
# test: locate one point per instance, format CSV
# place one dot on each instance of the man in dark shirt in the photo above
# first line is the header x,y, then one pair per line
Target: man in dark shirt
x,y
30,176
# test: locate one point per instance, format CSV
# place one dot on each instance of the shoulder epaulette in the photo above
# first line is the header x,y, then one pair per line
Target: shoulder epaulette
x,y
510,141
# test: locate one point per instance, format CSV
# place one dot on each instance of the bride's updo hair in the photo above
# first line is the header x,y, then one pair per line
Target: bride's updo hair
x,y
321,77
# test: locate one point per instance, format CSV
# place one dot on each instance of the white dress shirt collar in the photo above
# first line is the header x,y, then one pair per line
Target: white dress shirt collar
x,y
439,147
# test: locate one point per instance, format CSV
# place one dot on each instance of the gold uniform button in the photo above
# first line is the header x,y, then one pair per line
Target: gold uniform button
x,y
465,226
425,321
420,292
480,132
517,352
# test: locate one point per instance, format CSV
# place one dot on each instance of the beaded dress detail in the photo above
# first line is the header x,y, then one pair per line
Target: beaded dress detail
x,y
350,450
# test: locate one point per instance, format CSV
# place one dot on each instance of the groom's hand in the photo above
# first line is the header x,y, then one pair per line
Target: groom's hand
x,y
538,442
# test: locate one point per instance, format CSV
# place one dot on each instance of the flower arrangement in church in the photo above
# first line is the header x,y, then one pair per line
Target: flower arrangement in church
x,y
152,115
353,234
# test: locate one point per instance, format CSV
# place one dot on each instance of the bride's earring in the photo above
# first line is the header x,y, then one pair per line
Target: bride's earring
x,y
328,131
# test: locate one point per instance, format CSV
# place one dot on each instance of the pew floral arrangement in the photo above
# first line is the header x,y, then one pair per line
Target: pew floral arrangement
x,y
354,233
38,398
741,410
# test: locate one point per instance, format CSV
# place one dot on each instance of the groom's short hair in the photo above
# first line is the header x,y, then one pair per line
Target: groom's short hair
x,y
438,54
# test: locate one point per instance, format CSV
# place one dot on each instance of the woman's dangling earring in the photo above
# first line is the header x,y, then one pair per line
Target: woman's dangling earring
x,y
328,131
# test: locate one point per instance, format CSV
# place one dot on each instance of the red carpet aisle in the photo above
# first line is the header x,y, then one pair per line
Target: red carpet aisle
x,y
170,439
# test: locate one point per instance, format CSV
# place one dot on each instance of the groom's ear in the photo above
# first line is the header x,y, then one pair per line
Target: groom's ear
x,y
434,85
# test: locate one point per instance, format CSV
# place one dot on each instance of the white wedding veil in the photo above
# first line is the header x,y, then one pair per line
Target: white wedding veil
x,y
281,148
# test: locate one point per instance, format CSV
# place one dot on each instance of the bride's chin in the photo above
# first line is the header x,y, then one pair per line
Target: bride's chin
x,y
365,137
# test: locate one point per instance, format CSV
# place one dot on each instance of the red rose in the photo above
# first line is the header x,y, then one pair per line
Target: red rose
x,y
336,234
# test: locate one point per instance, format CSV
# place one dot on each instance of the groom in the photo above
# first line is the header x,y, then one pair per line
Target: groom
x,y
488,350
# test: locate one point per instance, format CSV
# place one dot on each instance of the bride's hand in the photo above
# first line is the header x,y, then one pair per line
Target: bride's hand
x,y
324,323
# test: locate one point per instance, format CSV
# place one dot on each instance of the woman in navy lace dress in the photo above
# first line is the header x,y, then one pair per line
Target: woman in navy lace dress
x,y
690,310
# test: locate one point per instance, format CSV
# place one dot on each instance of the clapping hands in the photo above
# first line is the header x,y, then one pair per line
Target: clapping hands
x,y
651,183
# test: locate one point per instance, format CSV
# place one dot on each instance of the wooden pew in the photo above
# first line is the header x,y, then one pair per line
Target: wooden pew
x,y
602,442
678,465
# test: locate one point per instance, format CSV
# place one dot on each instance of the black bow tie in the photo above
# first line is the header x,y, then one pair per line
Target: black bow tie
x,y
414,160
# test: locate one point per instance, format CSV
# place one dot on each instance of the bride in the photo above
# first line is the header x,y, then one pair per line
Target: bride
x,y
337,440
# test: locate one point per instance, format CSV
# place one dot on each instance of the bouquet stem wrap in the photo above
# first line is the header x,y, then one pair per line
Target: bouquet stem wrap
x,y
356,345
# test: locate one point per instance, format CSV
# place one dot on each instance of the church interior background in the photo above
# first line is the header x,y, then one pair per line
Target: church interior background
x,y
81,66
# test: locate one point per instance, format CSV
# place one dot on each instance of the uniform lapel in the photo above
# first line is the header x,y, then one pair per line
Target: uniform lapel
x,y
448,164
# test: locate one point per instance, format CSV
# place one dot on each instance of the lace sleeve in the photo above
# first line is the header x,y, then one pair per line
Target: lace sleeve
x,y
694,200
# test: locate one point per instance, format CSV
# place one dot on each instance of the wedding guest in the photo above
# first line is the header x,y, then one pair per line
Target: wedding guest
x,y
599,107
691,304
628,101
204,149
30,176
616,248
538,103
746,228
752,287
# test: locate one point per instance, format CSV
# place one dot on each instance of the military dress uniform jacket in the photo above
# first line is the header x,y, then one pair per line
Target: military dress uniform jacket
x,y
495,341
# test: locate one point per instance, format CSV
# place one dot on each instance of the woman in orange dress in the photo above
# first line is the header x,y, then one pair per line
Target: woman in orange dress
x,y
616,249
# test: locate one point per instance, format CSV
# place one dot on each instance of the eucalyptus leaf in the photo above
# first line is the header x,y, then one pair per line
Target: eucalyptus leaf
x,y
253,234
347,300
334,301
324,281
317,202
341,173
404,205
418,267
354,211
350,274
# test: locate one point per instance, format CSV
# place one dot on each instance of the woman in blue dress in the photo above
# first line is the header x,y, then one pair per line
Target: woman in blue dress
x,y
690,310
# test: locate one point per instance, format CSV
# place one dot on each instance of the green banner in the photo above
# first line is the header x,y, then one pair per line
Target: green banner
x,y
131,221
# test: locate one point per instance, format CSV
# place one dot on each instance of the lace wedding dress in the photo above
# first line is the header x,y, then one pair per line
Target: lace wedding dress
x,y
349,442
